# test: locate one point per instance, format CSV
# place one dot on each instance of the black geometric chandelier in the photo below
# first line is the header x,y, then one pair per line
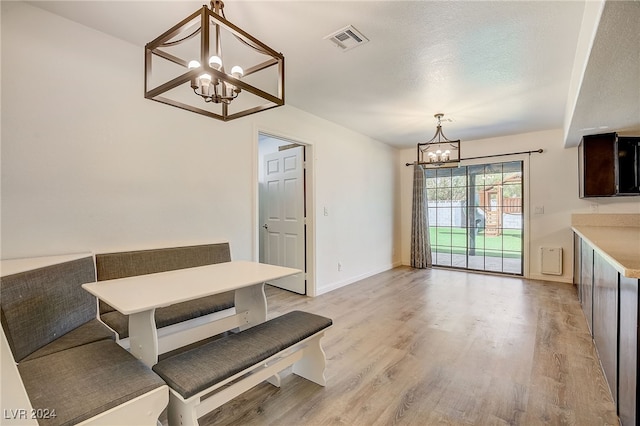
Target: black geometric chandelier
x,y
207,65
439,151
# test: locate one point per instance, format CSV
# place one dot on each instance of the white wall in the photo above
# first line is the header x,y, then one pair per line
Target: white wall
x,y
89,164
552,183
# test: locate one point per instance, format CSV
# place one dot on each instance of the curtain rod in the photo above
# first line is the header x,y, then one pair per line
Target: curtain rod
x,y
487,156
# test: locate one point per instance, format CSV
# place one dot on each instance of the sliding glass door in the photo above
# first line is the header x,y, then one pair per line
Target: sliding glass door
x,y
475,217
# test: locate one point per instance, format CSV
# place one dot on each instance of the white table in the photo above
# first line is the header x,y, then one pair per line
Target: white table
x,y
139,296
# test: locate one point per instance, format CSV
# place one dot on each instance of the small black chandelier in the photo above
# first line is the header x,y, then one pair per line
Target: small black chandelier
x,y
191,53
439,151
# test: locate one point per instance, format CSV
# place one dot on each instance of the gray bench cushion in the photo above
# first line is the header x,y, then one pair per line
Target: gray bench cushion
x,y
142,262
175,313
84,381
89,332
200,368
41,305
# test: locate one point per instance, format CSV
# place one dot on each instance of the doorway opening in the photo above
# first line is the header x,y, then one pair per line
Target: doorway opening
x,y
282,208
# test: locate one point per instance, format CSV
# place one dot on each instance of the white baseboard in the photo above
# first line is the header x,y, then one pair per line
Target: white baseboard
x,y
338,284
553,278
345,282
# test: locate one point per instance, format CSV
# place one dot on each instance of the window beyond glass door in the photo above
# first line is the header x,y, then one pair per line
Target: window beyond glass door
x,y
475,217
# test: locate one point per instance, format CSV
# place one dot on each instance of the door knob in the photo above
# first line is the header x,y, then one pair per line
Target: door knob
x,y
265,226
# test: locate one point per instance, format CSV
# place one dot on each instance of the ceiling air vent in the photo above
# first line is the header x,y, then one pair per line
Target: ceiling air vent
x,y
347,38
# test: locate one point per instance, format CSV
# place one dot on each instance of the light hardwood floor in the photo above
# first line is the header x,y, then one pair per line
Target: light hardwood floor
x,y
429,347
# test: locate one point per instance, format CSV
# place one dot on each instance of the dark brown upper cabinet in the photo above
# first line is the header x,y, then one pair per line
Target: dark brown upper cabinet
x,y
609,165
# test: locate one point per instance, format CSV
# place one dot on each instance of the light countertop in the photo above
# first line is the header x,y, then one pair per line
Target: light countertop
x,y
618,244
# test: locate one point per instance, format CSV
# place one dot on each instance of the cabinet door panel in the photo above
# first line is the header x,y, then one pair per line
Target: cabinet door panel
x,y
598,165
605,319
586,283
628,355
628,157
577,245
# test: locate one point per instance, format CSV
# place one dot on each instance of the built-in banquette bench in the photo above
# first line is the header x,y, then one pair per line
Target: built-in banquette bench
x,y
204,378
71,371
179,324
68,363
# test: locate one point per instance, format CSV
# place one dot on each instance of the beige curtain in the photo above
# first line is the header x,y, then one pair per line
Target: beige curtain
x,y
420,242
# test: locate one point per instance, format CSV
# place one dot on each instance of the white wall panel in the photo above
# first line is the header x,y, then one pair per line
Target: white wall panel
x,y
291,245
290,205
273,205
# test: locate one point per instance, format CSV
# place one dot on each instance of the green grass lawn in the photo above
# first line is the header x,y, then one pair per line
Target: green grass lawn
x,y
455,240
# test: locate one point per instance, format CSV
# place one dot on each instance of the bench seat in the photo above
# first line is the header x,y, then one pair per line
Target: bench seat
x,y
84,381
173,314
194,316
43,305
58,358
192,376
89,332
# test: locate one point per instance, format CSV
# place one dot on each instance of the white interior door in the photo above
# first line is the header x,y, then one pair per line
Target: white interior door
x,y
284,226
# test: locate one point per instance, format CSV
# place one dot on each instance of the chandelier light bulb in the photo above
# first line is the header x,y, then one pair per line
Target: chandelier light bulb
x,y
205,83
237,71
205,79
215,62
193,64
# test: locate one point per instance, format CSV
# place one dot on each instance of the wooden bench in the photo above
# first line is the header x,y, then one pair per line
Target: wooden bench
x,y
69,368
179,324
204,378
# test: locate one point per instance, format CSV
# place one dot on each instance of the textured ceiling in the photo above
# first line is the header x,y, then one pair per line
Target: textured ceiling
x,y
494,68
609,98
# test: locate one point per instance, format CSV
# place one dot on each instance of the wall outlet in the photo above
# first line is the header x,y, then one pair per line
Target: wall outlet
x,y
593,207
538,210
339,266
